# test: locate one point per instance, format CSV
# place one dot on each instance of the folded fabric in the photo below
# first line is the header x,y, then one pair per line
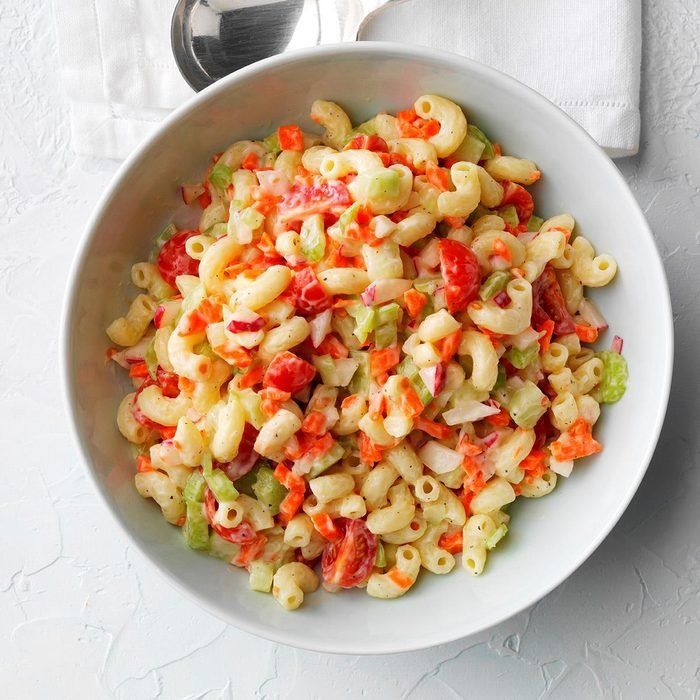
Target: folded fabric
x,y
121,79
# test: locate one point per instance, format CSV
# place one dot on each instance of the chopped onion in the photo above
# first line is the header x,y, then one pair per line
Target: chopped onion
x,y
383,226
433,378
320,326
469,412
563,468
524,340
439,458
591,314
617,344
381,291
430,255
344,369
273,181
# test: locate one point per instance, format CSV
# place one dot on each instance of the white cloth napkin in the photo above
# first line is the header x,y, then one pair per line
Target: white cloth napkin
x,y
121,80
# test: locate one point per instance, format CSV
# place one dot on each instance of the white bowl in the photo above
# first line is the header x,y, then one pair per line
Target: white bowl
x,y
550,537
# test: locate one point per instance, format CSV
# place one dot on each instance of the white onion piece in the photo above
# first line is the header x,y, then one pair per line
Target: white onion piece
x,y
562,468
526,339
439,458
382,226
381,291
468,413
430,255
591,313
344,369
320,326
273,181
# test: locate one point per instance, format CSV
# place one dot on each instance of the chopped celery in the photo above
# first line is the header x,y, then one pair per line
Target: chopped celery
x,y
268,490
221,486
161,239
236,206
196,527
345,328
500,379
495,283
385,335
327,460
252,218
428,286
206,463
480,211
368,128
522,358
221,548
220,176
272,142
477,133
359,384
496,536
614,382
527,405
313,238
365,320
470,150
384,184
407,368
389,313
261,573
214,214
151,360
509,214
380,558
194,488
251,402
349,216
246,482
423,392
326,369
534,223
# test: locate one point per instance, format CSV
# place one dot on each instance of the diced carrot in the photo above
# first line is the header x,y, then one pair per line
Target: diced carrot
x,y
497,149
546,340
501,249
475,482
370,453
466,496
253,376
290,138
185,385
401,579
204,199
499,419
437,176
139,371
412,126
467,448
450,345
143,464
330,345
576,442
436,430
324,525
586,334
409,401
415,302
314,423
250,162
167,432
250,552
271,399
381,361
451,541
208,311
454,221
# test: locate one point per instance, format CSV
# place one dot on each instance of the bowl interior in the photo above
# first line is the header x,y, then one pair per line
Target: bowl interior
x,y
549,538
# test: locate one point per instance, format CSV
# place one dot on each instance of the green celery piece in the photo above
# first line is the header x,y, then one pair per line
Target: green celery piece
x,y
196,527
261,574
220,176
367,128
349,216
251,402
489,151
380,558
496,536
272,143
326,369
385,335
389,313
365,320
534,223
522,358
313,238
359,384
384,184
194,488
221,548
471,149
221,486
327,460
495,283
268,490
166,233
509,214
615,374
345,328
427,286
252,218
214,214
527,405
419,387
407,368
501,379
246,482
151,360
206,463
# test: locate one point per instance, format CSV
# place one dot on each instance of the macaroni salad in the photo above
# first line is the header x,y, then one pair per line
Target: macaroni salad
x,y
368,348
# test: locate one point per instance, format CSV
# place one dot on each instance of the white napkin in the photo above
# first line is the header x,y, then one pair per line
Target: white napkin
x,y
121,80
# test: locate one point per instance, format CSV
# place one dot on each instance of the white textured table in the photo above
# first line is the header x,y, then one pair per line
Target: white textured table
x,y
82,615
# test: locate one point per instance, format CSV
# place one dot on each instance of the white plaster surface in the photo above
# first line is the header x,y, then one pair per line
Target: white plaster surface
x,y
82,615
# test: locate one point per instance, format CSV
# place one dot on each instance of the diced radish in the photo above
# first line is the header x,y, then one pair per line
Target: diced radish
x,y
243,319
439,458
381,291
469,412
617,344
274,182
433,378
591,314
137,353
191,192
320,326
563,468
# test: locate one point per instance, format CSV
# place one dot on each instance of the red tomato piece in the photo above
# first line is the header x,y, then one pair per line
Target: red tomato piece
x,y
246,458
520,198
348,561
316,196
168,383
460,270
241,534
288,372
307,293
290,138
548,303
173,259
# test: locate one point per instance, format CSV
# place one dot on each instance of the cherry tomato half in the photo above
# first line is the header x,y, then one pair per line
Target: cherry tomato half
x,y
241,534
173,259
520,198
288,372
460,270
348,561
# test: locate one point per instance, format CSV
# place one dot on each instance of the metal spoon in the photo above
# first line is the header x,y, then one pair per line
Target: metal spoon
x,y
212,38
